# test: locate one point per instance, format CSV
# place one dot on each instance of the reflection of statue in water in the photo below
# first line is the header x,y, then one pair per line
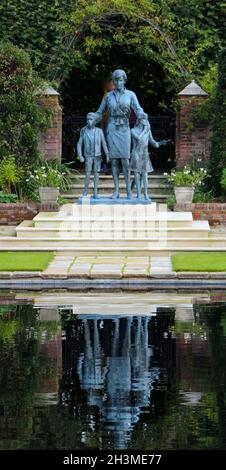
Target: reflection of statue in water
x,y
90,141
140,163
119,104
109,380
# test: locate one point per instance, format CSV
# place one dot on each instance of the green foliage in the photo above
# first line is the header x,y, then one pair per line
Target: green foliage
x,y
203,196
171,201
21,118
161,44
218,150
8,197
187,177
8,330
10,174
223,181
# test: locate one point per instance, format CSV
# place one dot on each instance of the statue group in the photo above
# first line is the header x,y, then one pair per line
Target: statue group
x,y
121,145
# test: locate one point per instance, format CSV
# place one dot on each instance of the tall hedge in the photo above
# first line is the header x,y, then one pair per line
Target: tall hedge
x,y
218,150
20,117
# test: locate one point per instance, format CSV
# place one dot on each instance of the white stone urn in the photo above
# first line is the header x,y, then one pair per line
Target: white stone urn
x,y
48,195
184,194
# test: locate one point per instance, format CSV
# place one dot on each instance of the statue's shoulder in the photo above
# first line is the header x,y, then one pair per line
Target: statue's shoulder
x,y
130,92
109,94
83,129
99,130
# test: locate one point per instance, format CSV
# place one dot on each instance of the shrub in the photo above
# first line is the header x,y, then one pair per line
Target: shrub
x,y
223,181
21,119
8,197
218,149
10,174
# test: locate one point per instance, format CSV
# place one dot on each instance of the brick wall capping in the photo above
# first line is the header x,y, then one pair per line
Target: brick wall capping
x,y
49,90
214,212
193,89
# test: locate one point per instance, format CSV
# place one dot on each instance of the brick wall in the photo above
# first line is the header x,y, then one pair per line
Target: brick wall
x,y
14,213
215,213
50,141
191,141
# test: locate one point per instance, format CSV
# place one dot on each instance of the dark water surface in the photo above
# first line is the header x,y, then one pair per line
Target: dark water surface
x,y
130,375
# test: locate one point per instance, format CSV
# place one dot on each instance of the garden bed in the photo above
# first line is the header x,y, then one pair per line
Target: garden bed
x,y
15,212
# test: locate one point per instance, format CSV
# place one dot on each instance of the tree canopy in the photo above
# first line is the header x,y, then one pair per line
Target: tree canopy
x,y
161,43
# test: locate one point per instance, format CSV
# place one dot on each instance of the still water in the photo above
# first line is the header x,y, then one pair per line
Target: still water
x,y
112,371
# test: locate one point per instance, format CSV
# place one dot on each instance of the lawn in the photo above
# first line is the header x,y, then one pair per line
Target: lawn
x,y
199,261
25,261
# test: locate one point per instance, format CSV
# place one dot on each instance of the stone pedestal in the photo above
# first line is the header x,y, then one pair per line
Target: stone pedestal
x,y
110,201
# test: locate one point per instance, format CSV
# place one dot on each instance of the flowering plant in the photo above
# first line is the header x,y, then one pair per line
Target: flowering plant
x,y
187,177
48,174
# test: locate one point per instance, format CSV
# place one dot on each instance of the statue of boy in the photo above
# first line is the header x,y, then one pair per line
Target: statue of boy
x,y
140,163
90,142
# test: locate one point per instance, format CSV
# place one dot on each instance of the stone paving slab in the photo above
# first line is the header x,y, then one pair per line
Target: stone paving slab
x,y
135,272
161,265
60,264
104,271
80,270
142,260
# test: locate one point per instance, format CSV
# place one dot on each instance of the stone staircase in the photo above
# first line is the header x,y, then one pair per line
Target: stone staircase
x,y
128,230
159,189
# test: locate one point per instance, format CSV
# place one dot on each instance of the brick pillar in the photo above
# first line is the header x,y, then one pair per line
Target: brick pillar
x,y
191,141
50,141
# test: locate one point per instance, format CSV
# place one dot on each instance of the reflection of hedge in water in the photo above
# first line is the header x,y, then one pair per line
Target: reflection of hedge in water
x,y
191,413
22,369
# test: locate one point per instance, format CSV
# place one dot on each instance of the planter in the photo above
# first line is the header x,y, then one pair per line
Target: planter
x,y
184,194
48,195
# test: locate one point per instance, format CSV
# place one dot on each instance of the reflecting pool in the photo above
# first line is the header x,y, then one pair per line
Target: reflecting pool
x,y
113,370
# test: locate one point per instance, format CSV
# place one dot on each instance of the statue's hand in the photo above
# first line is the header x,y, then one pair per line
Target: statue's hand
x,y
81,159
108,158
164,142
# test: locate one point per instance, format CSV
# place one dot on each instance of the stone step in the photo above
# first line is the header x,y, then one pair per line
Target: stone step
x,y
158,187
109,217
84,236
113,248
197,229
81,177
112,245
110,184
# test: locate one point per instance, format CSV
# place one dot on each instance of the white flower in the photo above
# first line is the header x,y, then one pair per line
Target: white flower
x,y
199,159
32,176
165,174
27,180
